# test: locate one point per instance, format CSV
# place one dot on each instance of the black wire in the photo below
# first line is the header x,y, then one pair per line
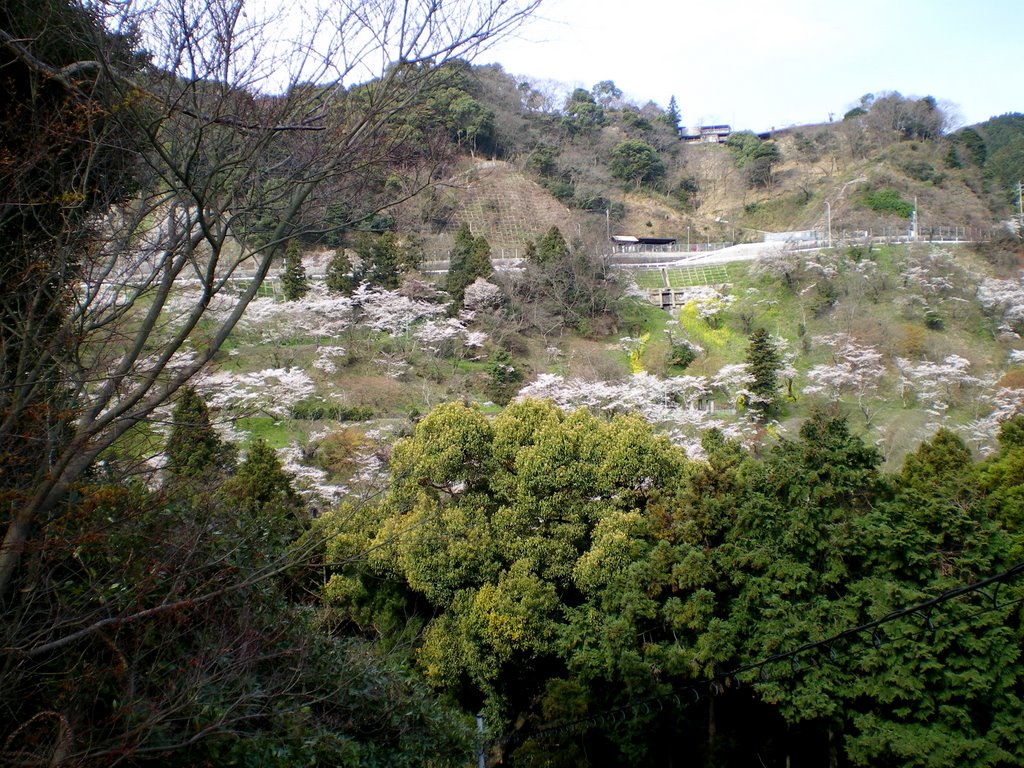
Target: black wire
x,y
731,678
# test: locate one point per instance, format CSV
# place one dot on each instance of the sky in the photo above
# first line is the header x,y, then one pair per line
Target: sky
x,y
759,65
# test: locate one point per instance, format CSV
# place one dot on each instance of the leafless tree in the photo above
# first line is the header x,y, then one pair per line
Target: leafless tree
x,y
233,125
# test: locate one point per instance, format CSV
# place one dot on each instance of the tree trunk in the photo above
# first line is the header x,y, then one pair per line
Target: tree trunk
x,y
712,723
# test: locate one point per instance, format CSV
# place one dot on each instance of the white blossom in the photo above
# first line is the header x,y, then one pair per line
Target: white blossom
x,y
930,271
272,390
855,368
733,380
708,303
481,294
475,339
936,384
435,335
1004,299
319,314
390,312
312,481
325,358
1006,403
674,400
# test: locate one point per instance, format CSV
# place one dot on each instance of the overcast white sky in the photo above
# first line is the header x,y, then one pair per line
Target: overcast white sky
x,y
757,65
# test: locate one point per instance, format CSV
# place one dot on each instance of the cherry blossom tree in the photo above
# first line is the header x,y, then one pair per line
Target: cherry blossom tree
x,y
390,312
1006,402
680,406
482,294
857,369
734,381
785,265
937,385
933,272
1003,300
709,304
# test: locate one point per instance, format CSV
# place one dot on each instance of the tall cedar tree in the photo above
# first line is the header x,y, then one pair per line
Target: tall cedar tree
x,y
764,361
385,260
672,117
294,280
340,276
194,449
470,259
549,249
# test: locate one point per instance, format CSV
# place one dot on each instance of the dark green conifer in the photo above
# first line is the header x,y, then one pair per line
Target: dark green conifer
x,y
340,276
294,279
504,377
261,479
194,449
763,361
470,259
551,248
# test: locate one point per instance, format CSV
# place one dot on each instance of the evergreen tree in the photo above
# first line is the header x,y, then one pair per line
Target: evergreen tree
x,y
549,249
791,560
194,449
340,276
636,162
263,497
911,691
385,259
470,259
1002,477
504,377
672,116
763,361
294,279
262,479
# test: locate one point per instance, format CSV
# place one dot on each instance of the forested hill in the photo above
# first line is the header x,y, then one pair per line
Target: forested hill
x,y
595,152
330,435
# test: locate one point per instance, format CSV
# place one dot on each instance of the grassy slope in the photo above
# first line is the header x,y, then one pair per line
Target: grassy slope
x,y
883,318
495,195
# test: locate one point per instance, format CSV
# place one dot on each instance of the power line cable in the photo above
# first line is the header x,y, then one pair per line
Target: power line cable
x,y
731,679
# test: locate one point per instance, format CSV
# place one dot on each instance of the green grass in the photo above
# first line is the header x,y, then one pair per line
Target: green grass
x,y
277,433
687,277
648,279
680,277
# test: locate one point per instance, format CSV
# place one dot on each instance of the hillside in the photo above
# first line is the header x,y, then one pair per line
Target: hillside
x,y
910,309
336,432
868,167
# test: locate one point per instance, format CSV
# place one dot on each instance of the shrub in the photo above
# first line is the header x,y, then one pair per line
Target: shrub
x,y
918,168
317,410
636,162
888,200
682,353
338,452
504,377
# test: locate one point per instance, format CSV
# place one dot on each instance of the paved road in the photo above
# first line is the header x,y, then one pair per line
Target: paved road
x,y
743,252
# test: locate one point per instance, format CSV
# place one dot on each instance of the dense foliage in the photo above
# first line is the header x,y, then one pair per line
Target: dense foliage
x,y
568,566
170,598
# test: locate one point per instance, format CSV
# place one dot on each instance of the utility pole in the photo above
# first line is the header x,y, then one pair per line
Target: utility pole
x,y
828,211
1020,207
482,754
